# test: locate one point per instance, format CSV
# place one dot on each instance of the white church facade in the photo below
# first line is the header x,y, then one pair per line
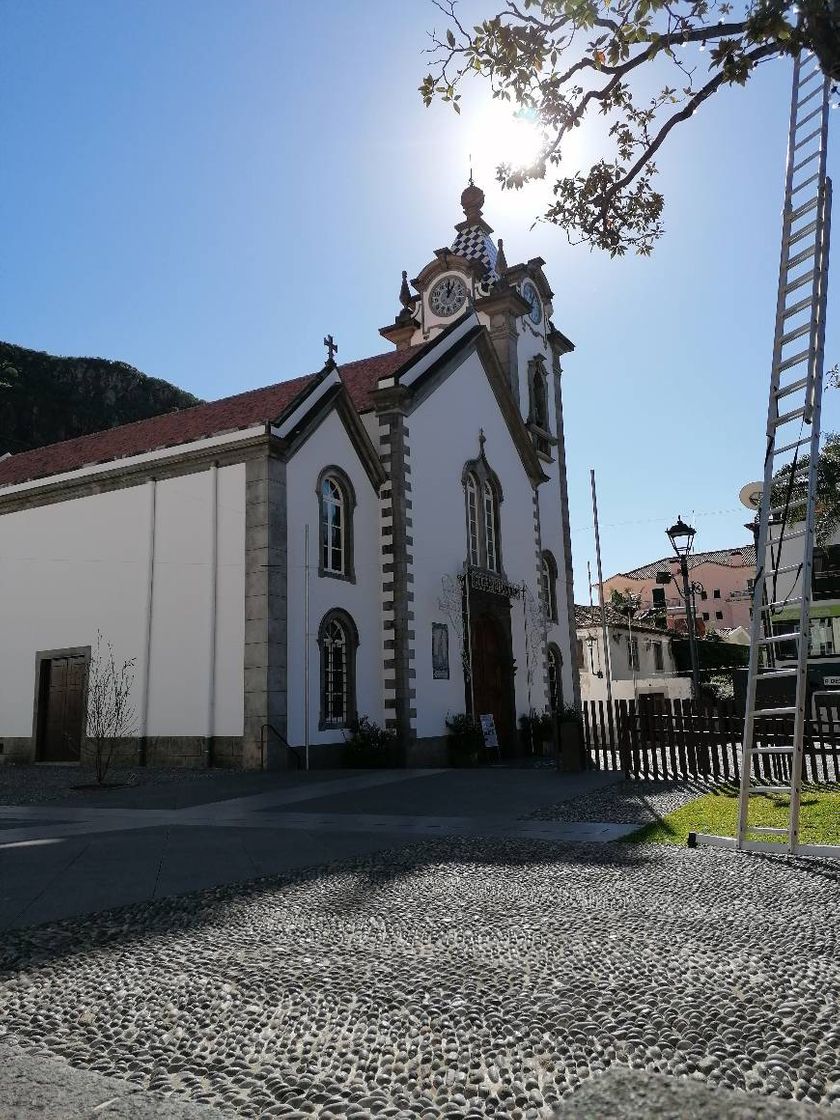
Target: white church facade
x,y
431,484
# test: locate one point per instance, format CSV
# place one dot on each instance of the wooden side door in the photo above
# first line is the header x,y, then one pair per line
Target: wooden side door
x,y
63,684
491,678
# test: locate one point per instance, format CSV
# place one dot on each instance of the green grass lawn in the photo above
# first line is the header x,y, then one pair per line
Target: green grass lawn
x,y
717,814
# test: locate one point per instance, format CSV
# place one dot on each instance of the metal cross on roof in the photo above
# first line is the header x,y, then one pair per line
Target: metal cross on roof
x,y
332,348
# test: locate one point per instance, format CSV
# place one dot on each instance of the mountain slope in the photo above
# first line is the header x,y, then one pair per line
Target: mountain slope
x,y
44,399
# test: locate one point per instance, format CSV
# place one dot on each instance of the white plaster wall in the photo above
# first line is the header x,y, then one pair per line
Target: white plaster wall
x,y
648,678
330,445
443,436
73,567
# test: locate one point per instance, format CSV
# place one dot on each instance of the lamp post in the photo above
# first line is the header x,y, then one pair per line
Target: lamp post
x,y
681,537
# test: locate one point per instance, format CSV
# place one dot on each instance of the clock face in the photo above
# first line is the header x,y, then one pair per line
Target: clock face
x,y
448,296
529,294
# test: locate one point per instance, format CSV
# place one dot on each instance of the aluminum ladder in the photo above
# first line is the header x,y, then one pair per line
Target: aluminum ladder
x,y
784,551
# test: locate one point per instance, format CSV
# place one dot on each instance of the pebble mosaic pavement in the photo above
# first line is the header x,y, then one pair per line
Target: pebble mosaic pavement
x,y
454,978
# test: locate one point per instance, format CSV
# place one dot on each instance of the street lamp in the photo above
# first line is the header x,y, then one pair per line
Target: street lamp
x,y
681,537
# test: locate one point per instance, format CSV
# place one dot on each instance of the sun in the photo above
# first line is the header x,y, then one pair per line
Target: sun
x,y
507,135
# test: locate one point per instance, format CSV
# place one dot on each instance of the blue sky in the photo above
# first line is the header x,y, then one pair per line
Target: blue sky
x,y
204,188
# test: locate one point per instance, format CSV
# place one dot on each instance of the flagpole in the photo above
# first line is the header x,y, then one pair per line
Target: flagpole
x,y
607,658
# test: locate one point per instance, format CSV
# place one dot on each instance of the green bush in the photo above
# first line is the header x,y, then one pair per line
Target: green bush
x,y
465,739
369,745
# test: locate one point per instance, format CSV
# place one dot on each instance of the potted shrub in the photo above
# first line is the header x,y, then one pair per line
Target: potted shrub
x,y
369,745
535,730
465,740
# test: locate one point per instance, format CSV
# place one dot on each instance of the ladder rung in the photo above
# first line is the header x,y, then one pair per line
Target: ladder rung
x,y
787,568
793,504
800,305
788,363
767,828
803,232
797,332
804,160
794,386
805,139
804,81
792,537
805,182
773,750
775,711
801,256
805,278
783,450
786,417
774,639
781,605
814,113
800,104
804,208
771,673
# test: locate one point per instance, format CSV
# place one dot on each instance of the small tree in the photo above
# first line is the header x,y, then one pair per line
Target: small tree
x,y
111,715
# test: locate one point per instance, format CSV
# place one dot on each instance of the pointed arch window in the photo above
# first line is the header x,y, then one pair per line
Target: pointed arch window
x,y
538,404
336,500
472,519
337,640
555,677
491,519
549,585
483,496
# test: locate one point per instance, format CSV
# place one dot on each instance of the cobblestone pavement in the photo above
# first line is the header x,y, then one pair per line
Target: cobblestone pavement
x,y
456,978
637,801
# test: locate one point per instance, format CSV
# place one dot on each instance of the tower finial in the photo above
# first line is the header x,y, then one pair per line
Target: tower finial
x,y
332,349
472,200
405,291
501,260
472,184
482,439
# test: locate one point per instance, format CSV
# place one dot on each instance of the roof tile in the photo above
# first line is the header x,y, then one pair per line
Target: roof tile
x,y
257,406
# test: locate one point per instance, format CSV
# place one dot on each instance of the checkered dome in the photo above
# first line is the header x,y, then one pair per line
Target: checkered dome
x,y
476,245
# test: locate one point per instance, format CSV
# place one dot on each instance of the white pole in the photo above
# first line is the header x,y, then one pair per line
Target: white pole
x,y
306,644
607,657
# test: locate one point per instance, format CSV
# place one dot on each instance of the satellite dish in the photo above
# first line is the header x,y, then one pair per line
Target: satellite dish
x,y
750,495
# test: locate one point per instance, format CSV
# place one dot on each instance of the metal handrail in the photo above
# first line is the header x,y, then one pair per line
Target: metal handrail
x,y
270,727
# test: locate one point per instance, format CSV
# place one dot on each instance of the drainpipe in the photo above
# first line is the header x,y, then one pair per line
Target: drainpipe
x,y
214,595
149,608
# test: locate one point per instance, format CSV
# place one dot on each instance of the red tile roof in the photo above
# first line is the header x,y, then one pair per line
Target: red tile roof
x,y
258,406
361,377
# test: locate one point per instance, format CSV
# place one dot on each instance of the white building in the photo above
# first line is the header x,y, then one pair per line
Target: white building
x,y
641,659
432,480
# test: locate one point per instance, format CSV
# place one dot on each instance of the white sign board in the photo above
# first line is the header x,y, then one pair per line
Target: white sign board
x,y
832,682
488,727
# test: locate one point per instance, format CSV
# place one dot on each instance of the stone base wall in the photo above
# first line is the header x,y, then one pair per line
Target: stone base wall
x,y
14,751
432,751
161,751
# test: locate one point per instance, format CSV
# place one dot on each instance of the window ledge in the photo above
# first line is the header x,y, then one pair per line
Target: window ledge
x,y
347,577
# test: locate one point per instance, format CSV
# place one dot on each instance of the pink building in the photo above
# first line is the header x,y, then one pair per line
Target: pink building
x,y
726,576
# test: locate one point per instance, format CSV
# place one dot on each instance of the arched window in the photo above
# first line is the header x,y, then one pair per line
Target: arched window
x,y
549,582
555,677
491,521
336,500
483,496
539,395
338,639
472,518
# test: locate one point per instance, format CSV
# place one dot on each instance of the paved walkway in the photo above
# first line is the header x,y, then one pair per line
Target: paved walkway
x,y
130,845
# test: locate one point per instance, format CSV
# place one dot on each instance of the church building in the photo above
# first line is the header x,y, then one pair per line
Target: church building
x,y
429,484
